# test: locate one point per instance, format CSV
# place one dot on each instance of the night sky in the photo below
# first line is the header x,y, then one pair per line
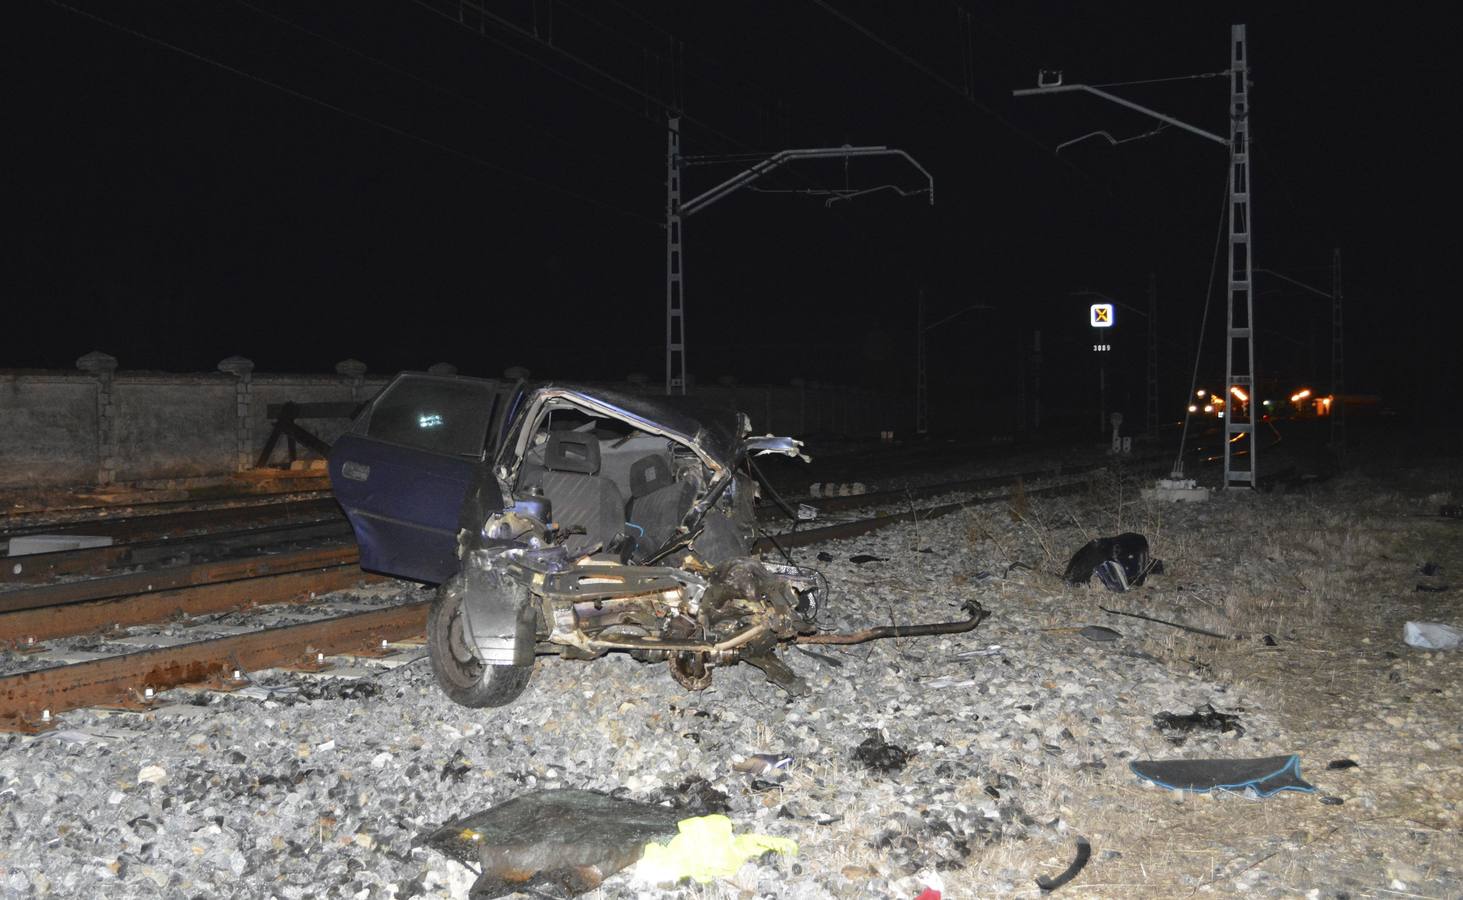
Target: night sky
x,y
301,183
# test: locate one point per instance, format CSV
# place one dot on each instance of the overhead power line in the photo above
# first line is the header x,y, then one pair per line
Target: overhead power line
x,y
663,106
527,34
724,76
1162,80
578,145
360,117
933,75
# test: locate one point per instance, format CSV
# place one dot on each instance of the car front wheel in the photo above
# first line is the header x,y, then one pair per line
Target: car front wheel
x,y
465,678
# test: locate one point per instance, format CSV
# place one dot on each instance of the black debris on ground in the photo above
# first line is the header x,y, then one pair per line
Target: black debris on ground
x,y
881,756
1119,562
455,768
694,797
563,842
1084,853
1177,728
337,689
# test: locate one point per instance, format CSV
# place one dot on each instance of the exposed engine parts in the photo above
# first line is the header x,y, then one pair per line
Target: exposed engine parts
x,y
587,523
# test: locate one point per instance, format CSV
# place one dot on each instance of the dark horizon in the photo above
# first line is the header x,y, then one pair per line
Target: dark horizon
x,y
448,200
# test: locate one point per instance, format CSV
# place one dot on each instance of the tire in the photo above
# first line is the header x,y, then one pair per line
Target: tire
x,y
466,680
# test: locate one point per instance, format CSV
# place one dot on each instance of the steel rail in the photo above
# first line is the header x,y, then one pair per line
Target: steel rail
x,y
138,584
38,567
29,697
915,492
864,526
29,626
318,484
157,525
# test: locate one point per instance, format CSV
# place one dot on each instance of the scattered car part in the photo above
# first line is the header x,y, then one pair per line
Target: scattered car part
x,y
1205,718
1118,562
568,839
1099,633
1084,853
1265,776
1179,625
975,615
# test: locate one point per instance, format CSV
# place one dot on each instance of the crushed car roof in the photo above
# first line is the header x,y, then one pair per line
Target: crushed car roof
x,y
716,431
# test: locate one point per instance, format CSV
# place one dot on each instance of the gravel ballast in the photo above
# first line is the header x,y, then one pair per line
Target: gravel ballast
x,y
968,763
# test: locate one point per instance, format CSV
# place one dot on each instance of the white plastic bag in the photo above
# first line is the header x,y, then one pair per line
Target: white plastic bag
x,y
1431,636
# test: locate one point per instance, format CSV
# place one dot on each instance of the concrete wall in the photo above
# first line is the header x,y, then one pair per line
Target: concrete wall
x,y
109,427
48,429
167,426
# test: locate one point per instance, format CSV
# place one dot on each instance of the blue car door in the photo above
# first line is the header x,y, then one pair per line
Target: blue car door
x,y
409,461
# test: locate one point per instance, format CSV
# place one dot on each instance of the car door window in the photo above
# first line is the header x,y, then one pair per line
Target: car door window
x,y
448,416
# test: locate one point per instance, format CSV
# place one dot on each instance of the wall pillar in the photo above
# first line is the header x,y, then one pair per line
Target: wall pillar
x,y
102,366
242,369
355,370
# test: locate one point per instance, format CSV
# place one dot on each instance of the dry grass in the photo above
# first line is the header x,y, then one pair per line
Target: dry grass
x,y
1331,578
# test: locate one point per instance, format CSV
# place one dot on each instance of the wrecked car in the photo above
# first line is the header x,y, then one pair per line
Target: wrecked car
x,y
574,521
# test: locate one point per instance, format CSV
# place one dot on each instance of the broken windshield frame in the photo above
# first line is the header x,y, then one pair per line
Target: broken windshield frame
x,y
515,447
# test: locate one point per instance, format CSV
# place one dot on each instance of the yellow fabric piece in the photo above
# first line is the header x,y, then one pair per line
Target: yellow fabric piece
x,y
705,849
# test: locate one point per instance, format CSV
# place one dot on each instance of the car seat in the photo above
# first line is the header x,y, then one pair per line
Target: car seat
x,y
581,497
658,501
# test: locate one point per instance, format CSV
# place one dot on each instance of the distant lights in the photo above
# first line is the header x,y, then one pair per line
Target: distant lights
x,y
1201,394
1239,394
1209,408
1193,408
1300,395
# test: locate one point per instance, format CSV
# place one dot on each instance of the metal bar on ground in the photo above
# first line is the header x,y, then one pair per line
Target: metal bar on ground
x,y
975,615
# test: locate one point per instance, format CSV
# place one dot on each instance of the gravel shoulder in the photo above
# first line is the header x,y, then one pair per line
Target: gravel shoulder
x,y
1019,734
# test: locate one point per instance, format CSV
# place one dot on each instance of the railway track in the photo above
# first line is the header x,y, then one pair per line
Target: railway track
x,y
164,524
23,516
95,561
34,613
